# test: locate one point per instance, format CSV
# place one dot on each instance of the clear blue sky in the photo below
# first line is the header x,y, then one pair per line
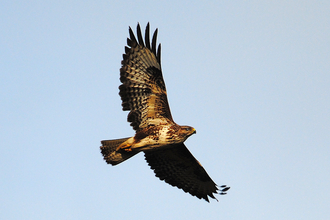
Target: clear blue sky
x,y
253,78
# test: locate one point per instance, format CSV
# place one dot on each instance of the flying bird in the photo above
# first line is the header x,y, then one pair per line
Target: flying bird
x,y
143,94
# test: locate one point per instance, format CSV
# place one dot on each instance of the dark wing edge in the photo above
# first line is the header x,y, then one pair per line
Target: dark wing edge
x,y
133,42
143,90
178,167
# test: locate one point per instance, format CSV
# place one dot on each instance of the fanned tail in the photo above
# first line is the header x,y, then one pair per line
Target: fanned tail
x,y
110,153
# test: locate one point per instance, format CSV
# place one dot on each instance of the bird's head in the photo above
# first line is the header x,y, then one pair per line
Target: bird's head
x,y
186,131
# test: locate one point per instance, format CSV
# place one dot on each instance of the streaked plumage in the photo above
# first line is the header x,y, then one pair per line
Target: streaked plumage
x,y
143,94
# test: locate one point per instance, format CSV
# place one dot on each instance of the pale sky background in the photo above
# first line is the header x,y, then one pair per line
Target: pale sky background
x,y
252,77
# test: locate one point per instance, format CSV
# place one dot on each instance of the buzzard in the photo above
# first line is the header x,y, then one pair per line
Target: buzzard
x,y
143,94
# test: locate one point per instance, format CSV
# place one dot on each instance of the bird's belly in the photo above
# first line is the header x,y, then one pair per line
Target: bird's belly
x,y
159,140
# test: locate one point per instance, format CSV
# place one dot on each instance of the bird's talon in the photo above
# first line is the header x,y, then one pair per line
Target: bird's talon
x,y
128,149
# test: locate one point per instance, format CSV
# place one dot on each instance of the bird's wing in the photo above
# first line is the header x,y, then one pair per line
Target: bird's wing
x,y
178,167
143,91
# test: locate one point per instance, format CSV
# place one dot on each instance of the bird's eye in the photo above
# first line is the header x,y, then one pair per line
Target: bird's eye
x,y
187,129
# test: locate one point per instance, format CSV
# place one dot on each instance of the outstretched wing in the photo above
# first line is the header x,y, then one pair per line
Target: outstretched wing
x,y
143,91
178,167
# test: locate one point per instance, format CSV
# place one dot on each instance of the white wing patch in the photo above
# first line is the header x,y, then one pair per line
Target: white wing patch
x,y
163,136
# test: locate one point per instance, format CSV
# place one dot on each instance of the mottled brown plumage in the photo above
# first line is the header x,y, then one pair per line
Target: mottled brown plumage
x,y
143,94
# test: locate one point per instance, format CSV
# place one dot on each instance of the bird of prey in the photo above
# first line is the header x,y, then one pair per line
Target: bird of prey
x,y
143,94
